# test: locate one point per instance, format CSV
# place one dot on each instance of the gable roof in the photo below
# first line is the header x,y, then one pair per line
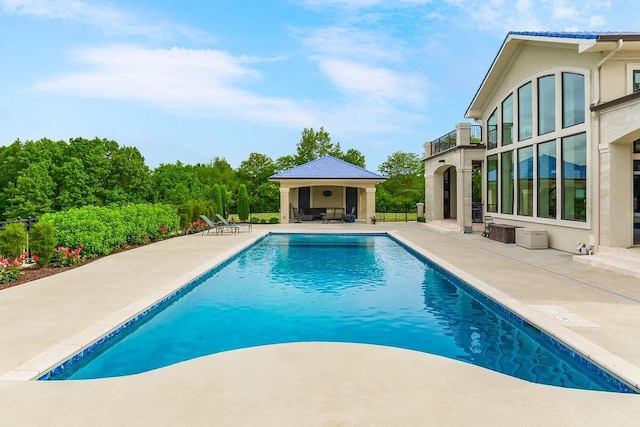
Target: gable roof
x,y
327,167
584,41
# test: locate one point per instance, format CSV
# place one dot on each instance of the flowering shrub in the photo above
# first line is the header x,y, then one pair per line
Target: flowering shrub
x,y
11,270
65,257
197,226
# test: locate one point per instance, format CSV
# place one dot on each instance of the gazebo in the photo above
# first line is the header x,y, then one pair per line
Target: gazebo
x,y
324,183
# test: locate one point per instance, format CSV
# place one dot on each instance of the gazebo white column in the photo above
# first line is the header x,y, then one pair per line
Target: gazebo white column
x,y
284,205
370,203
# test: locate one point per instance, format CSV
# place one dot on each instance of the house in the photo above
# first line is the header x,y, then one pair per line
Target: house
x,y
559,144
327,182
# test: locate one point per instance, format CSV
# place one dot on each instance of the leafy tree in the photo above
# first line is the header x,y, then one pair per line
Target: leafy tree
x,y
285,163
314,145
405,181
129,177
73,191
33,192
255,170
243,203
266,198
176,183
354,157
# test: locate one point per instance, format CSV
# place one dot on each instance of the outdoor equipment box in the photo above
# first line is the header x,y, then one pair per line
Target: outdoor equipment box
x,y
532,239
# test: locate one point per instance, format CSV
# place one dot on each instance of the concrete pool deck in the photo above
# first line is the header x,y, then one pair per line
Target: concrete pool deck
x,y
314,383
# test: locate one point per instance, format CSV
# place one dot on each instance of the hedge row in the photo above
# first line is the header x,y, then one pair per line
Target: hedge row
x,y
102,230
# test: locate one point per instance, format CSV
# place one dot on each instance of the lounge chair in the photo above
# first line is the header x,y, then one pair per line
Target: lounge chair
x,y
219,228
297,215
210,225
237,226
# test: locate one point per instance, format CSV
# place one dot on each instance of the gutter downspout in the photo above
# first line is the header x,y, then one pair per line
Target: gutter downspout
x,y
596,133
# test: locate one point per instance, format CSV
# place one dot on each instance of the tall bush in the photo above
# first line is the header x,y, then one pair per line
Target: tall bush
x,y
42,242
13,240
243,203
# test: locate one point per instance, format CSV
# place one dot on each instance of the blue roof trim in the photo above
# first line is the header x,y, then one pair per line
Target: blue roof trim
x,y
564,35
327,167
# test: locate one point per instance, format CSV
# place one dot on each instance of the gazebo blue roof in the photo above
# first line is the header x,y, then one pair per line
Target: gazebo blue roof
x,y
327,167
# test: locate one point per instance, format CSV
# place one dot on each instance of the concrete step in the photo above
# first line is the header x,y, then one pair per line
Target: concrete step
x,y
444,226
619,260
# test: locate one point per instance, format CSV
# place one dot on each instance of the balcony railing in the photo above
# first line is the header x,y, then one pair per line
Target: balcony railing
x,y
449,141
444,143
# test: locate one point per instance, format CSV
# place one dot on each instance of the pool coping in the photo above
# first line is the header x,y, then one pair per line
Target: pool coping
x,y
602,358
43,363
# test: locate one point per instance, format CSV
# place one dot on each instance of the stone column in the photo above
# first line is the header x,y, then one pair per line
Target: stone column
x,y
463,134
284,205
371,203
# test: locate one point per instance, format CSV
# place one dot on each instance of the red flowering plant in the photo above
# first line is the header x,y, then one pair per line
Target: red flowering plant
x,y
11,270
197,226
65,257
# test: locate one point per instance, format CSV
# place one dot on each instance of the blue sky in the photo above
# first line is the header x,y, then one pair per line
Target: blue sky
x,y
193,80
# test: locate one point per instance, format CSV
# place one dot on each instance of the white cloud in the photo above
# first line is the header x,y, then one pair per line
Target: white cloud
x,y
102,17
361,79
365,64
190,81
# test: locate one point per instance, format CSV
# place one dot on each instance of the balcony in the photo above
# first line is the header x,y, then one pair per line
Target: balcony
x,y
464,135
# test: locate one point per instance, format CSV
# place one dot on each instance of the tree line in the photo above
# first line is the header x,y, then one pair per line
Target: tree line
x,y
44,176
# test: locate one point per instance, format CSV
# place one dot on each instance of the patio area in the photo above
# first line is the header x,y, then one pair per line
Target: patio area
x,y
314,383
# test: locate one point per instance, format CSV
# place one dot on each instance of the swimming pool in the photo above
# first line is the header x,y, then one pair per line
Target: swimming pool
x,y
325,287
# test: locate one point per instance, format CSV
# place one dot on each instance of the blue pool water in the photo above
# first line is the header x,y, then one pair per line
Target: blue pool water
x,y
349,288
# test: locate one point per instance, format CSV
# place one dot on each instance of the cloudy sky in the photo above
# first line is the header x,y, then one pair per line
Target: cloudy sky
x,y
193,80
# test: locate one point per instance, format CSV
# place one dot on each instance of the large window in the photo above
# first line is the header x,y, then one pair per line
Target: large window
x,y
546,104
534,170
636,81
525,113
492,130
492,183
525,181
572,99
574,177
506,179
507,120
547,166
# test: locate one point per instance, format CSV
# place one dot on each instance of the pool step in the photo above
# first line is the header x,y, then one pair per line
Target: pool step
x,y
620,260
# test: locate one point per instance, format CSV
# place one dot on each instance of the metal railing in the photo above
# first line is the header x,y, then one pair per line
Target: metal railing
x,y
476,134
27,221
444,143
449,140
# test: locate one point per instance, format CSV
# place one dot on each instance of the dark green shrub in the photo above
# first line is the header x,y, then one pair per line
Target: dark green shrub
x,y
243,203
274,220
255,220
13,240
421,219
42,242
